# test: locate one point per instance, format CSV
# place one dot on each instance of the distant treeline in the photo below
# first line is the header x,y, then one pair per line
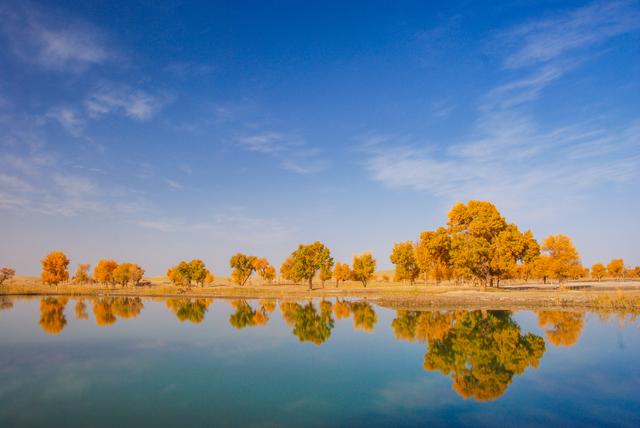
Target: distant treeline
x,y
477,246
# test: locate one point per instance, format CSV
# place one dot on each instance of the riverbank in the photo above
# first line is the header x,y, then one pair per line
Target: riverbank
x,y
577,295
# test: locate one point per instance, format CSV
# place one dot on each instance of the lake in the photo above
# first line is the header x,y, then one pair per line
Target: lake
x,y
110,362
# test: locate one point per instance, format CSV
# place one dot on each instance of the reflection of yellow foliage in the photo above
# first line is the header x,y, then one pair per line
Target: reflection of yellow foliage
x,y
52,319
81,310
308,325
5,303
341,310
268,305
127,307
192,310
364,317
565,327
103,311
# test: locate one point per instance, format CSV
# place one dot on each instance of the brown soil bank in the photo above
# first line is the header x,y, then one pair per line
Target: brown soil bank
x,y
608,295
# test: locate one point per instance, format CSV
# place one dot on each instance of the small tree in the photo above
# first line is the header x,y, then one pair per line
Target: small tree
x,y
55,268
198,271
243,266
82,273
598,271
561,257
266,271
615,268
433,254
307,260
286,269
122,274
6,274
403,256
103,271
341,272
364,266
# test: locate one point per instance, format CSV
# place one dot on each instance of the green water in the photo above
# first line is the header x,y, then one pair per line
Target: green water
x,y
190,363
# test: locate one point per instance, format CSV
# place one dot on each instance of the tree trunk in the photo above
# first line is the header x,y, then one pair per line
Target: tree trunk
x,y
310,283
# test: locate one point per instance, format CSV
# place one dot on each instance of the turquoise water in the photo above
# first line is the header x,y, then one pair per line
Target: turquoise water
x,y
131,362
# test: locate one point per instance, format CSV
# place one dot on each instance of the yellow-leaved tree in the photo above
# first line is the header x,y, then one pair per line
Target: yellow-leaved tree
x,y
341,272
305,262
560,259
243,266
403,256
55,268
103,271
598,271
433,254
615,268
364,265
82,273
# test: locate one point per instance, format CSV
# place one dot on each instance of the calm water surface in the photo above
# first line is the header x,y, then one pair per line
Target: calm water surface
x,y
131,362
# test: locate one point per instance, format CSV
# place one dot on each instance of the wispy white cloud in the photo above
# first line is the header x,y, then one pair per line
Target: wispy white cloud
x,y
547,39
68,118
173,184
63,45
134,103
291,153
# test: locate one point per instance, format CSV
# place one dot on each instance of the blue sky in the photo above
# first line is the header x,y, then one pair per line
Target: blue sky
x,y
161,131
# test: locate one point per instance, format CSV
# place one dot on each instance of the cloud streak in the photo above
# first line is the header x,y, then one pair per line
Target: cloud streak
x,y
65,45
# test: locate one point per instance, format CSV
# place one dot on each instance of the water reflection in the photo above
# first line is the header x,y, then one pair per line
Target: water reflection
x,y
481,351
192,310
562,328
52,319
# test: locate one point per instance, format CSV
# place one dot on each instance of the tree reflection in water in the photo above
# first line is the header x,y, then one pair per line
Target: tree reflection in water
x,y
309,324
192,310
480,350
107,309
81,310
52,319
563,328
5,303
246,316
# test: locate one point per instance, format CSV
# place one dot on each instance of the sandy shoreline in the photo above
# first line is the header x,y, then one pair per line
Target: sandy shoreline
x,y
579,295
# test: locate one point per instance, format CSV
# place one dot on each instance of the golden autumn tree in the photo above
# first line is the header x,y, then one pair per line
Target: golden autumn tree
x,y
305,262
184,273
364,265
286,269
103,272
598,271
243,266
484,246
560,258
82,273
264,269
403,255
433,254
341,272
55,268
615,268
6,274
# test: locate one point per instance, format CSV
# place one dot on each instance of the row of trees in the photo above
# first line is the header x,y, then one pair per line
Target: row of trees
x,y
55,269
477,245
615,269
